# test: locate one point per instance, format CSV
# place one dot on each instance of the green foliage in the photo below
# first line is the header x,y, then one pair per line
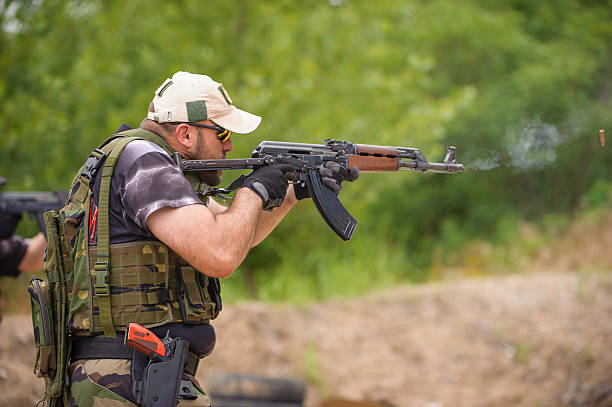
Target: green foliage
x,y
520,87
312,369
600,193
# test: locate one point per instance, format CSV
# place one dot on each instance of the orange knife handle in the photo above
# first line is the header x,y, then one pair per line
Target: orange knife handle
x,y
145,341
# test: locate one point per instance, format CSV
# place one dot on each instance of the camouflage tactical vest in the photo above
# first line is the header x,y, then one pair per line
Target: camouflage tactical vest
x,y
99,290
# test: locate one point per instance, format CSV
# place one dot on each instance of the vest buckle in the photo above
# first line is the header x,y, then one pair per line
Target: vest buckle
x,y
93,164
163,295
102,278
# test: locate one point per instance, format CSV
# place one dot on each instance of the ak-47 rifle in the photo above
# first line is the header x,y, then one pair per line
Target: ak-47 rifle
x,y
308,158
32,203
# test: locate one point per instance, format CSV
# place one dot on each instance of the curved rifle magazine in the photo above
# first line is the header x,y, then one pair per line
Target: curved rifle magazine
x,y
330,207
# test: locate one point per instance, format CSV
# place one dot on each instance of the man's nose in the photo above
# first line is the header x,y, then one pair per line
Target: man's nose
x,y
228,145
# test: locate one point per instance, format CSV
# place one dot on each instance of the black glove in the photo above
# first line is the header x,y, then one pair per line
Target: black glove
x,y
270,183
332,175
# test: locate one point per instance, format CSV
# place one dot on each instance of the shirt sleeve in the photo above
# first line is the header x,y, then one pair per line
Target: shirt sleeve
x,y
12,252
150,180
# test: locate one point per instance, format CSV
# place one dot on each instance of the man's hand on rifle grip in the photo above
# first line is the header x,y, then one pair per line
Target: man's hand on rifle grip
x,y
332,175
270,183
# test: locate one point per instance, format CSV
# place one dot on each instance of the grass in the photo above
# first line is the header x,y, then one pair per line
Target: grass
x,y
312,370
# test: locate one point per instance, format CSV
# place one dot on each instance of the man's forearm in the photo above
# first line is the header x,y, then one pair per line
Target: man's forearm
x,y
243,220
213,243
270,219
33,259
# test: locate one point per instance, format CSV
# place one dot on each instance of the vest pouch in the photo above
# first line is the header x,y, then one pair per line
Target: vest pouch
x,y
49,312
196,306
213,285
45,364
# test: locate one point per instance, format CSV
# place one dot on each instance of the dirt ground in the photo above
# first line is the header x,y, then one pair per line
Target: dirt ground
x,y
541,339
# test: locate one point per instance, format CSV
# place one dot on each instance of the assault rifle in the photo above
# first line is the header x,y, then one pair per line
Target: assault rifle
x,y
308,158
32,203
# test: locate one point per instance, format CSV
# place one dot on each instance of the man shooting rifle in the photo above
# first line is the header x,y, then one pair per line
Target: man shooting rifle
x,y
138,243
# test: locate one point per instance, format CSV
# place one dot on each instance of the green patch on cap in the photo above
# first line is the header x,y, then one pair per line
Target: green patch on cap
x,y
196,111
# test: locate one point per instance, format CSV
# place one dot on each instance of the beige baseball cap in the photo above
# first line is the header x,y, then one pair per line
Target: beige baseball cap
x,y
188,97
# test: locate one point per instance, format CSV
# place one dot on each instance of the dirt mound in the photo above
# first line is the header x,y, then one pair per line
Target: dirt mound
x,y
530,339
585,244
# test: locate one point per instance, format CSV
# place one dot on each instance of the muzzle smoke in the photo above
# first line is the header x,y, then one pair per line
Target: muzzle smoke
x,y
533,146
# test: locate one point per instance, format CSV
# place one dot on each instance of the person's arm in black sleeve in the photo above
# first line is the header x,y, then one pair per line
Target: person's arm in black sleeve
x,y
17,255
12,252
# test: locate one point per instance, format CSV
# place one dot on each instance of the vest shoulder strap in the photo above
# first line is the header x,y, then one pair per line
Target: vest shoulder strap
x,y
102,262
149,136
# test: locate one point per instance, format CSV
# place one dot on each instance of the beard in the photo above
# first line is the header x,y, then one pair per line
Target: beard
x,y
210,178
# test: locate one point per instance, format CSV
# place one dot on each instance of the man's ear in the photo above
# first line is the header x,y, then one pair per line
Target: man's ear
x,y
182,135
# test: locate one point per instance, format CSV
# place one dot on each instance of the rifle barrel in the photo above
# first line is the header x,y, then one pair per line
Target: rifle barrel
x,y
431,167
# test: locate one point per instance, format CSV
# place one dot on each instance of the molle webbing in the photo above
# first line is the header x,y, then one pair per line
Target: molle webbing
x,y
142,285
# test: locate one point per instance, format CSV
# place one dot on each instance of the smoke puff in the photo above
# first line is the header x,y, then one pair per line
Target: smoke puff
x,y
485,161
533,147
